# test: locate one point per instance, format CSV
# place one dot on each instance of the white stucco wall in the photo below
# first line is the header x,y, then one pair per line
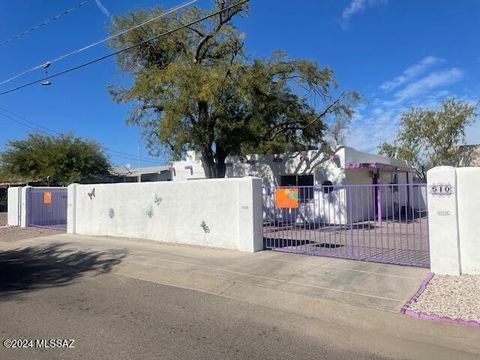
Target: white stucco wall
x,y
270,171
393,197
468,197
14,206
266,168
323,208
223,213
453,221
189,169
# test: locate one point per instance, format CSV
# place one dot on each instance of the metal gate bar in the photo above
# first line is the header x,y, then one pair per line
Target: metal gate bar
x,y
47,207
385,223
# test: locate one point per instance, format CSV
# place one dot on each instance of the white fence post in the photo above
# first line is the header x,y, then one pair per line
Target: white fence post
x,y
443,221
25,198
468,199
250,214
14,206
72,209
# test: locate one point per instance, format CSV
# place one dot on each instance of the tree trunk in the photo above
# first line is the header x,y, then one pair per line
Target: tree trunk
x,y
208,164
214,164
220,162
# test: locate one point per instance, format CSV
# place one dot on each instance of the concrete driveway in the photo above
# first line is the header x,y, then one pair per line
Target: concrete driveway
x,y
133,294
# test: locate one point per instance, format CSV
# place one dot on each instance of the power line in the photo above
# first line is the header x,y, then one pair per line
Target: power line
x,y
63,57
45,130
21,123
125,49
44,23
37,125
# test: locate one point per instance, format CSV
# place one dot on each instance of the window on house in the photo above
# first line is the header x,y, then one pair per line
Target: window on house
x,y
327,186
304,181
394,183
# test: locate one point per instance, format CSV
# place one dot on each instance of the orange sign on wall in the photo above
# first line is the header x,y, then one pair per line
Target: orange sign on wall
x,y
47,197
286,198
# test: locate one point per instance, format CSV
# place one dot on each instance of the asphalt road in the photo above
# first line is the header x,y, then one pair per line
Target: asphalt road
x,y
112,298
113,317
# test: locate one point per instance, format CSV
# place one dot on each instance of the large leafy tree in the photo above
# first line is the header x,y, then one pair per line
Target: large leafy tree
x,y
53,160
196,89
432,137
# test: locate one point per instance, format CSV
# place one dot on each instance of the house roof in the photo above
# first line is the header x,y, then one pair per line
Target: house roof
x,y
124,171
376,165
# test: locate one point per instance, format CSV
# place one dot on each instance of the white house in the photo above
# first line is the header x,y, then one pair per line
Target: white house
x,y
338,173
346,166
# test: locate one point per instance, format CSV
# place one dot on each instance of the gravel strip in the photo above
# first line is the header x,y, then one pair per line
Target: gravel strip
x,y
3,218
456,297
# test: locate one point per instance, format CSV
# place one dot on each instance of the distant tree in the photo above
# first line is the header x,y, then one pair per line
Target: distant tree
x,y
53,160
432,137
195,89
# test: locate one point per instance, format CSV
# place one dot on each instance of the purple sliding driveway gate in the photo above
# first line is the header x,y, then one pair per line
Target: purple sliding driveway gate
x,y
47,207
381,223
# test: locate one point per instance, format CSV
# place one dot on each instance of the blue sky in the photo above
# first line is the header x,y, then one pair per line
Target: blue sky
x,y
396,53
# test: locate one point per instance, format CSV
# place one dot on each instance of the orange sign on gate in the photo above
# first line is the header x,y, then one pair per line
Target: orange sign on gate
x,y
47,197
286,198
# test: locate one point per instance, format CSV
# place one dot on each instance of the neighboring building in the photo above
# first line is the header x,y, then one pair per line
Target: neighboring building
x,y
4,185
146,174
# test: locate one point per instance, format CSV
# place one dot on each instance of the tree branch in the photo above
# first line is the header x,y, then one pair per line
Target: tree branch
x,y
210,35
322,114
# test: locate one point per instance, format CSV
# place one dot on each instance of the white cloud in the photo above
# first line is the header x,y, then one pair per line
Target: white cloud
x,y
357,6
380,120
429,83
379,124
411,73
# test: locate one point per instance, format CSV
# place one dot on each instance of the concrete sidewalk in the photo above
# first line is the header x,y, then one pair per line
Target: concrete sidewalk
x,y
224,272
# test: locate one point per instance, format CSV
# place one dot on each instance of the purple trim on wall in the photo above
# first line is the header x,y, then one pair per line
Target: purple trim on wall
x,y
419,292
189,167
375,165
445,319
420,315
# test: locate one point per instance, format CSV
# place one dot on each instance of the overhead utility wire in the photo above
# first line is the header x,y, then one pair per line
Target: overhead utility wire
x,y
45,23
63,57
124,49
43,129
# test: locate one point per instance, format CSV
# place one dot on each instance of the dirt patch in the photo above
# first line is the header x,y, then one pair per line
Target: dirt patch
x,y
11,234
3,218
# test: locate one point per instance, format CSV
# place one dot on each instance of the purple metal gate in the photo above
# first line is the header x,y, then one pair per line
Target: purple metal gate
x,y
380,223
47,207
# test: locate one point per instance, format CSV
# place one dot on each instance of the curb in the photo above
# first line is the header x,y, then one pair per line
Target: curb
x,y
420,315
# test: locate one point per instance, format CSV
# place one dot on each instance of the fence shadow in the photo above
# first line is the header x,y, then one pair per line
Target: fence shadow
x,y
38,267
